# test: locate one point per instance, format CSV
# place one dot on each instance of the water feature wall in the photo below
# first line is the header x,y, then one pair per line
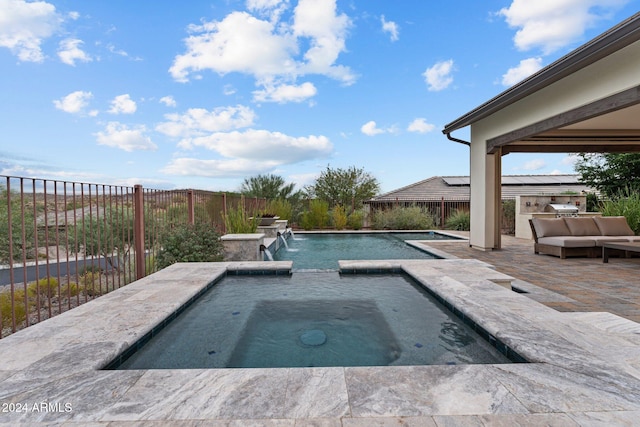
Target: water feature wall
x,y
243,246
254,246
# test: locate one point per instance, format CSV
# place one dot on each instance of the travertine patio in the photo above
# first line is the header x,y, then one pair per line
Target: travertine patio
x,y
584,370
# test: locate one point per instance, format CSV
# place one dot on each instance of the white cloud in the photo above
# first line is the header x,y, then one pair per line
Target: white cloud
x,y
285,93
120,136
420,125
303,179
526,68
73,103
570,160
111,48
265,146
270,51
391,28
39,173
199,122
168,101
249,152
271,8
534,165
187,166
25,25
123,104
317,20
69,52
553,24
240,43
438,77
371,129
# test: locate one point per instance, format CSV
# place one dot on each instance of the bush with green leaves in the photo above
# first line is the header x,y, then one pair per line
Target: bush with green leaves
x,y
626,204
317,216
46,287
281,208
339,217
238,220
459,220
17,305
403,218
355,220
189,243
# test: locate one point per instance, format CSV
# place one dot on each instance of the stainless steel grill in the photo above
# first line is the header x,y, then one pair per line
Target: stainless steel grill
x,y
562,209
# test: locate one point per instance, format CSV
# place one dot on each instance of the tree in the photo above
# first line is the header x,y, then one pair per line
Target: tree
x,y
610,173
345,187
269,187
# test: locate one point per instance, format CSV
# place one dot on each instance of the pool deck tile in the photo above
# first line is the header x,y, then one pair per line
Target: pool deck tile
x,y
585,366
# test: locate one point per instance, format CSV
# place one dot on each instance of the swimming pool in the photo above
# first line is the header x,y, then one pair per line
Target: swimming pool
x,y
323,250
314,319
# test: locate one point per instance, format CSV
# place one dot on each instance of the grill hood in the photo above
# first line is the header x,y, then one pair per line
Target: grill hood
x,y
561,208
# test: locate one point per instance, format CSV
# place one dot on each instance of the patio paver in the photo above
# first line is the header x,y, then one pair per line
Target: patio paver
x,y
587,283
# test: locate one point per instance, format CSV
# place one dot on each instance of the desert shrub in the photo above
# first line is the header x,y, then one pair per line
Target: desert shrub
x,y
508,217
317,216
92,283
236,221
459,220
70,290
627,204
281,208
91,268
593,203
339,217
18,307
355,220
189,243
43,288
403,218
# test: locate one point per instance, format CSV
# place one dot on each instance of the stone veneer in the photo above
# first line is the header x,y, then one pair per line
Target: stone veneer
x,y
243,246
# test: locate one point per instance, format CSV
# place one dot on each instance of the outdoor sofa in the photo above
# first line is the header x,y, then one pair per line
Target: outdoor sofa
x,y
579,236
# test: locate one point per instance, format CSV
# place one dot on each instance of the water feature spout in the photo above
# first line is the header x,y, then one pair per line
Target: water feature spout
x,y
284,241
267,252
293,236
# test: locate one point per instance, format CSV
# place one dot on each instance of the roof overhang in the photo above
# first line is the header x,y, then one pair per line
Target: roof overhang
x,y
607,125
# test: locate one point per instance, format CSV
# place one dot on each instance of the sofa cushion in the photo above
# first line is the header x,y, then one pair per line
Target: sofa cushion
x,y
546,227
603,239
613,226
567,241
582,226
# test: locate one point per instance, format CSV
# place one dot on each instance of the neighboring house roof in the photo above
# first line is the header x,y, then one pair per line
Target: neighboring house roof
x,y
458,188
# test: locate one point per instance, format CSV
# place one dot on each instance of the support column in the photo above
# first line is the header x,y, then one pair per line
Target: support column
x,y
485,180
497,174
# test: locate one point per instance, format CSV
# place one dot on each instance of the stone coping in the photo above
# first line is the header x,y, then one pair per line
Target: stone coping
x,y
243,236
585,367
452,234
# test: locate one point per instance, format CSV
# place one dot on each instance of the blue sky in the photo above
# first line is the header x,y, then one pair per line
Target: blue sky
x,y
201,94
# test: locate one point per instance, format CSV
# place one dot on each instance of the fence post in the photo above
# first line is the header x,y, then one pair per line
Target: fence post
x,y
190,207
138,230
442,213
224,212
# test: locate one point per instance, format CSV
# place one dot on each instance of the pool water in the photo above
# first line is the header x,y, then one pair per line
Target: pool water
x,y
314,319
322,251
